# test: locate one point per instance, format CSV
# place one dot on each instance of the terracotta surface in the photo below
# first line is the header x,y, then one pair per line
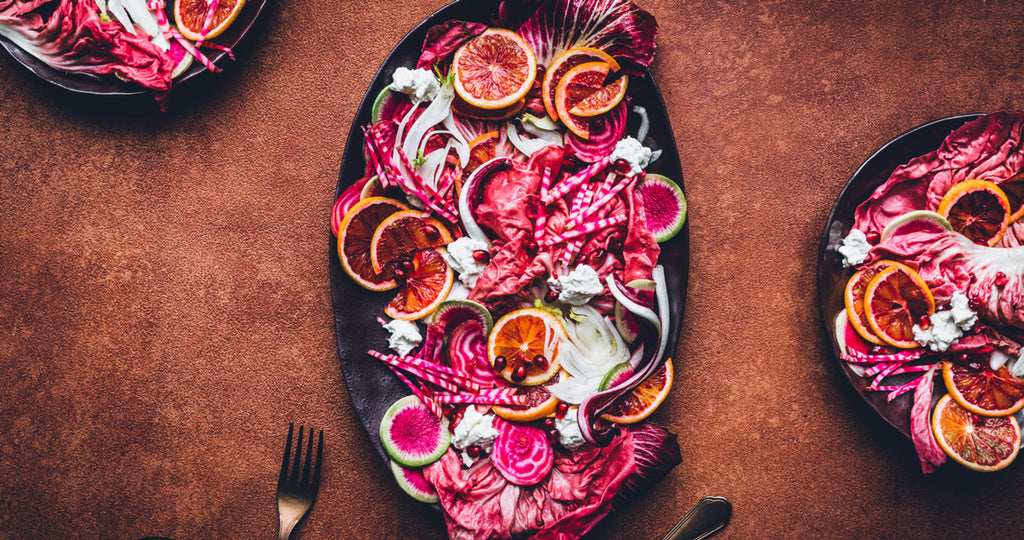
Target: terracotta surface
x,y
167,311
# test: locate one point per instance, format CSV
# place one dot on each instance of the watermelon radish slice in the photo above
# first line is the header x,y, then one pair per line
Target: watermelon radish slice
x,y
454,312
624,321
414,483
388,105
664,206
412,435
521,453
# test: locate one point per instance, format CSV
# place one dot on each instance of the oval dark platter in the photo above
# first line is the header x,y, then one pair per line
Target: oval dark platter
x,y
371,386
832,277
110,85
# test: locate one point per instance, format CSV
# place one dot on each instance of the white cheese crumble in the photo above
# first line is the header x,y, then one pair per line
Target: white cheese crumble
x,y
632,152
855,248
460,258
569,434
405,336
947,326
475,429
419,84
579,286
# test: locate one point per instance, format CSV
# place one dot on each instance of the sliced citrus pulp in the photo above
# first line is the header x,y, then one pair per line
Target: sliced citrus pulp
x,y
426,285
189,16
481,150
402,234
983,391
566,61
854,300
981,443
578,83
642,400
539,402
894,301
977,209
520,337
354,235
602,100
1013,188
494,70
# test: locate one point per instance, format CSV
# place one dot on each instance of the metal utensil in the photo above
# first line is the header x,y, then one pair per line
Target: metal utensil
x,y
296,488
708,516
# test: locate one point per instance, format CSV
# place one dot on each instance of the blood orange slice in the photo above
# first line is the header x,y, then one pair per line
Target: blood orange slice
x,y
426,284
190,15
524,344
578,83
401,235
977,442
566,61
983,391
854,300
1013,187
494,70
642,400
894,301
539,402
481,150
977,209
354,235
602,100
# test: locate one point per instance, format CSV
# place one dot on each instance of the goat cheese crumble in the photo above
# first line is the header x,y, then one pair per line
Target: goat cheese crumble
x,y
569,435
419,84
460,258
475,429
632,152
578,286
947,326
405,336
855,248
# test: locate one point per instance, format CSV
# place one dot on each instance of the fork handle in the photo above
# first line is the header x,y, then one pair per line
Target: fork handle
x,y
285,531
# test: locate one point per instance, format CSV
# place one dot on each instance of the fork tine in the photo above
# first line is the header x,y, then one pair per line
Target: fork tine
x,y
298,459
319,458
287,454
309,455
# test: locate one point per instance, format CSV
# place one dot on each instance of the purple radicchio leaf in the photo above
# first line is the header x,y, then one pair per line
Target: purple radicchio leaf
x,y
443,40
656,452
617,27
928,451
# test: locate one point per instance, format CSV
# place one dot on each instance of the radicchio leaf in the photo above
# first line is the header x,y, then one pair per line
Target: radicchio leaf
x,y
656,452
617,27
928,451
444,39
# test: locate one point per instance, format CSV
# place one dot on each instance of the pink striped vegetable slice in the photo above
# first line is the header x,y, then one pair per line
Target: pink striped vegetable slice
x,y
522,453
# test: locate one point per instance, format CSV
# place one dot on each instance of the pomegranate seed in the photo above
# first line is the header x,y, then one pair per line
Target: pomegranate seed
x,y
925,322
432,232
524,360
481,256
474,451
561,409
965,357
549,423
873,237
550,296
530,246
553,436
500,363
399,274
1001,279
519,373
540,361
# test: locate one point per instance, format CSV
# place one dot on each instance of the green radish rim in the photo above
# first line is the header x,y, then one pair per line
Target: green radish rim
x,y
925,217
427,437
380,103
673,224
448,313
615,375
624,322
414,483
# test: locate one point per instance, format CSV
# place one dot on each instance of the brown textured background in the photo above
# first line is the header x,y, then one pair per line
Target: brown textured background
x,y
166,307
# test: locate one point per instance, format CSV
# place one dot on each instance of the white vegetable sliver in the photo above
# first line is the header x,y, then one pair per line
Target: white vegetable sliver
x,y
523,144
144,18
462,146
645,122
117,9
434,114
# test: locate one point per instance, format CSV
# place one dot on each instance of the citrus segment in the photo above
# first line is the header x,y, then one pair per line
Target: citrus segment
x,y
1013,188
566,61
190,15
642,400
894,301
402,234
977,442
461,108
494,70
354,235
524,345
425,286
578,83
539,402
602,100
854,300
983,391
977,209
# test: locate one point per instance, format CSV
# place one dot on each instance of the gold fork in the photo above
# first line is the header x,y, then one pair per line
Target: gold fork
x,y
296,489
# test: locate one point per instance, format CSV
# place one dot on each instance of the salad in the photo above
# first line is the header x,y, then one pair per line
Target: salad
x,y
506,209
138,41
937,291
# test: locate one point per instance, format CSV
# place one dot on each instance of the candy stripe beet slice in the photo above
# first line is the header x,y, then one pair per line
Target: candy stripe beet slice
x,y
521,453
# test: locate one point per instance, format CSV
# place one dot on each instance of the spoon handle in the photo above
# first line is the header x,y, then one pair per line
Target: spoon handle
x,y
708,516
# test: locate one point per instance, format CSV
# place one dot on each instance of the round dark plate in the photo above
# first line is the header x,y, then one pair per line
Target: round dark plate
x,y
109,85
371,386
832,277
